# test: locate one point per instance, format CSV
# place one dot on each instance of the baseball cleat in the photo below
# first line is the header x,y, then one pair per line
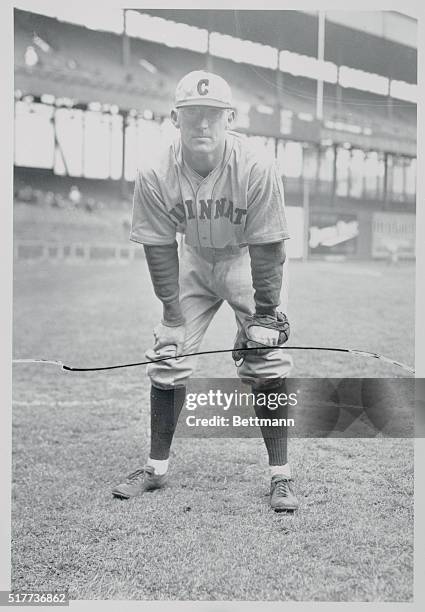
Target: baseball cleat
x,y
138,482
282,498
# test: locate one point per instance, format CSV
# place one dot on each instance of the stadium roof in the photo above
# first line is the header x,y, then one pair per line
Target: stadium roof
x,y
391,25
297,31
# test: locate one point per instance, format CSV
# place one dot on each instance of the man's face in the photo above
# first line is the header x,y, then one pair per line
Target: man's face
x,y
202,128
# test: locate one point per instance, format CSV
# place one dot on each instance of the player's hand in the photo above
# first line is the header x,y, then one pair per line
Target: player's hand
x,y
166,335
168,341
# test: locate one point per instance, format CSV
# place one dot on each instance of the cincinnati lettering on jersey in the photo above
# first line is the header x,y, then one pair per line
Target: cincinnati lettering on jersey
x,y
208,209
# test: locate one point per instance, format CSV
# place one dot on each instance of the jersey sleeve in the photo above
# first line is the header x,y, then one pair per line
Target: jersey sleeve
x,y
266,220
151,222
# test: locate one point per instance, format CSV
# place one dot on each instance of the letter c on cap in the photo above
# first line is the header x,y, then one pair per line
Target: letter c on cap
x,y
202,87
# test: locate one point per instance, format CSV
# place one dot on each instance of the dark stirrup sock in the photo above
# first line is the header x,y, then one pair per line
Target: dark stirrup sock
x,y
166,405
275,437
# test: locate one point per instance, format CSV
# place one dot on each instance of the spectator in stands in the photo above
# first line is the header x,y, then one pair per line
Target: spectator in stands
x,y
393,253
38,196
59,201
90,204
31,57
75,196
26,194
49,198
126,225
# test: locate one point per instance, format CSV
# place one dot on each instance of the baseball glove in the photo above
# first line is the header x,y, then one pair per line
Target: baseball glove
x,y
262,332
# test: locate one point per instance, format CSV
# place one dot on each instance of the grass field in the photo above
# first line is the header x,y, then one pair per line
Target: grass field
x,y
211,534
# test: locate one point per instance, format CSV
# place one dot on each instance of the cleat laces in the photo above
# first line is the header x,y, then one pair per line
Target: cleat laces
x,y
138,475
282,487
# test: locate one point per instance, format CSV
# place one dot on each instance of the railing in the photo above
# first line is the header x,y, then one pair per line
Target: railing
x,y
74,252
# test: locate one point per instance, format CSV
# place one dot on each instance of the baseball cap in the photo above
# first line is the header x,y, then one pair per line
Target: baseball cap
x,y
201,88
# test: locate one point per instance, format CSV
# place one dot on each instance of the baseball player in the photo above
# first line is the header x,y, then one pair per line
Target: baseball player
x,y
229,204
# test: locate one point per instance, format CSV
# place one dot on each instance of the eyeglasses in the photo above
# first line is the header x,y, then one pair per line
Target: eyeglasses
x,y
196,113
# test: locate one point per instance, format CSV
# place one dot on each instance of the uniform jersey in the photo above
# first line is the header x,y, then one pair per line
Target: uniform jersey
x,y
240,202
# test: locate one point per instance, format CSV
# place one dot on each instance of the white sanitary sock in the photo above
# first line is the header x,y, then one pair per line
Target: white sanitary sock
x,y
281,470
160,466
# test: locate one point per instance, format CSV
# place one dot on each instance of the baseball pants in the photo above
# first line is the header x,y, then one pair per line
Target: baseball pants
x,y
207,278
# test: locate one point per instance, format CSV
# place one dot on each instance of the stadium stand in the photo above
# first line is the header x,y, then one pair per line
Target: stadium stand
x,y
87,58
43,210
71,61
106,194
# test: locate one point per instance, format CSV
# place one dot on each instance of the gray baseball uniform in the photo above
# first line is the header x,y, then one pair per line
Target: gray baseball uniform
x,y
240,203
228,202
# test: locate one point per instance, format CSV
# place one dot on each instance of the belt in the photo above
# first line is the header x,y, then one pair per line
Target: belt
x,y
212,254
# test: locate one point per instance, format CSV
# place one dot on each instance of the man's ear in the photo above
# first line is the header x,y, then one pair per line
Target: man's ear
x,y
175,119
231,116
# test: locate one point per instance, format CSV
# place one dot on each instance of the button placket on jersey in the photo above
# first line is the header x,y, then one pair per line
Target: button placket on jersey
x,y
204,239
217,173
204,225
194,194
